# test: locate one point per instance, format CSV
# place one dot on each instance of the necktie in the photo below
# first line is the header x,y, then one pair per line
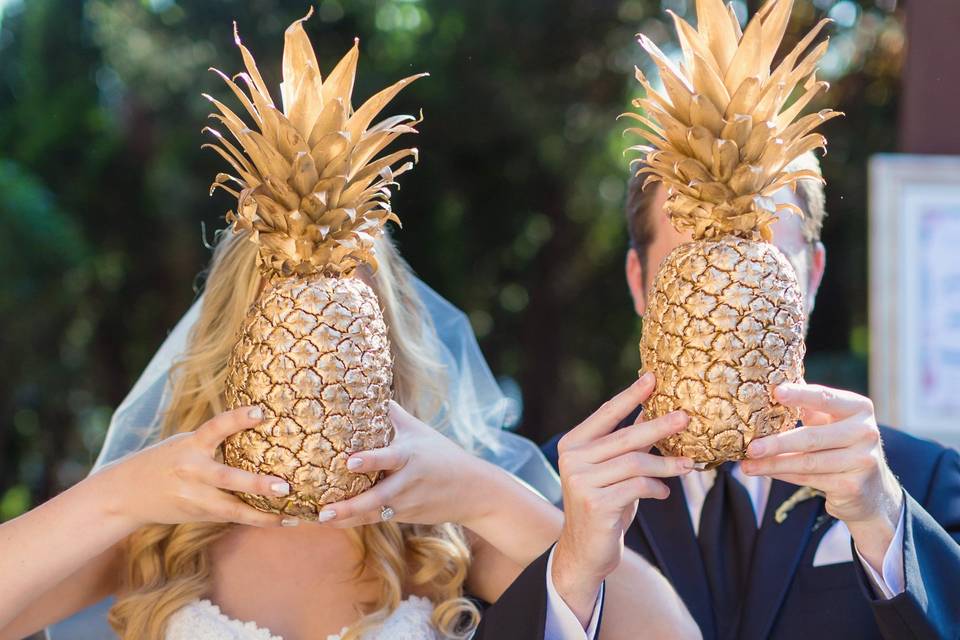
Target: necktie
x,y
726,536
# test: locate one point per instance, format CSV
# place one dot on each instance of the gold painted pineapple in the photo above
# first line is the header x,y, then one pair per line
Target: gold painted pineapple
x,y
313,193
725,318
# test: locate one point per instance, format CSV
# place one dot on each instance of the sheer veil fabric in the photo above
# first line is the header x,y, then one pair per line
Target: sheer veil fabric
x,y
476,414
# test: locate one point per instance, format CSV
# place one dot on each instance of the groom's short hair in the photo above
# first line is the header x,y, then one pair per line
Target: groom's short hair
x,y
640,225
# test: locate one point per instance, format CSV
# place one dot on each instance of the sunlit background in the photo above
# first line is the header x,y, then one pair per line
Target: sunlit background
x,y
513,213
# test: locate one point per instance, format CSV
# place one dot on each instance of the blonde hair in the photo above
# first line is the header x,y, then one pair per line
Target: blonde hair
x,y
167,566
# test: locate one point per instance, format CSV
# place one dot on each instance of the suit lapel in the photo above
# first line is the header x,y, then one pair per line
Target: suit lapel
x,y
666,525
778,550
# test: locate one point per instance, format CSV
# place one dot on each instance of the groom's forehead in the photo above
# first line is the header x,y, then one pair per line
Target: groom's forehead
x,y
787,230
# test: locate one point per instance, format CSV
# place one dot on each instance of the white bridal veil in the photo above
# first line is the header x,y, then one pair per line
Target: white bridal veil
x,y
476,414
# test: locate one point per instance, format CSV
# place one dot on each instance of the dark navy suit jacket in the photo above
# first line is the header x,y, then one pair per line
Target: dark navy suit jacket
x,y
521,612
788,598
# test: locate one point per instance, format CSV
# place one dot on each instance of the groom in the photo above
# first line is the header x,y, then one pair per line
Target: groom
x,y
877,556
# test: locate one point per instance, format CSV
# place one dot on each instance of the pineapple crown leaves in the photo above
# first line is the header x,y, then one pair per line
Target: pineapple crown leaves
x,y
720,135
312,187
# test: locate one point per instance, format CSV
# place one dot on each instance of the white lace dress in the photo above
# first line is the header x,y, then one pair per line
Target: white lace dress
x,y
203,620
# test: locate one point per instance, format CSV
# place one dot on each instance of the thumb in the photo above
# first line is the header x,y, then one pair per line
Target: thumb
x,y
400,417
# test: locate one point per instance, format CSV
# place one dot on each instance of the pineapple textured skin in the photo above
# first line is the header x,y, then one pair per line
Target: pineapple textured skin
x,y
314,354
725,319
312,179
724,324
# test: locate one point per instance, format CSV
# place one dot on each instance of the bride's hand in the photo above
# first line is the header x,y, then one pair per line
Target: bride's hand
x,y
178,480
429,478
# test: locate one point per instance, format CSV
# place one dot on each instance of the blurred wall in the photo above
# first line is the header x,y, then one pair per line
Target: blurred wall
x,y
931,78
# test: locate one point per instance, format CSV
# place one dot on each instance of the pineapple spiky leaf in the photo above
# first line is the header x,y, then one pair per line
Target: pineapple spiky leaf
x,y
721,132
297,168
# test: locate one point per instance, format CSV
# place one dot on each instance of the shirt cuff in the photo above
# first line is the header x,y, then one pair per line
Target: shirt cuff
x,y
562,623
891,582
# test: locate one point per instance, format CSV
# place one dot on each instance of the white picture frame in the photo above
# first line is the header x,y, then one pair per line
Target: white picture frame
x,y
914,255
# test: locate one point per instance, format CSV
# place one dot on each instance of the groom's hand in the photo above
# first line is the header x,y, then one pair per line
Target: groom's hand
x,y
838,451
604,472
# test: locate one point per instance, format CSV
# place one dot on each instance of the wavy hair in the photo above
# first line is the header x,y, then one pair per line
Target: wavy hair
x,y
167,566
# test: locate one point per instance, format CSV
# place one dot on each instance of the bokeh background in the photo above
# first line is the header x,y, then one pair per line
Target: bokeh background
x,y
514,212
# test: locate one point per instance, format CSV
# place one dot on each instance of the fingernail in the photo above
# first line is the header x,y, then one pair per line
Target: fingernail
x,y
354,463
290,522
280,488
756,449
645,378
747,468
256,413
326,515
678,417
686,464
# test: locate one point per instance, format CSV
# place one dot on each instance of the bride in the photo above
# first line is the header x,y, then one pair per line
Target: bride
x,y
157,528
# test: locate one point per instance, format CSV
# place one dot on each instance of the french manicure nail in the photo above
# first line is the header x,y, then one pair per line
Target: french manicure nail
x,y
289,522
256,413
326,515
354,463
280,488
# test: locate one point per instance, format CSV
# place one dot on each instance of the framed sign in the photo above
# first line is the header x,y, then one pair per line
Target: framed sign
x,y
915,294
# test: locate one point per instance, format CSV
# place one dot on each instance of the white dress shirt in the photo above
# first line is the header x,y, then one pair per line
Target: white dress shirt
x,y
835,544
562,623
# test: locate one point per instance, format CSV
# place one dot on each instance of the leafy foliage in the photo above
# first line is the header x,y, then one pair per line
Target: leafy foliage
x,y
514,212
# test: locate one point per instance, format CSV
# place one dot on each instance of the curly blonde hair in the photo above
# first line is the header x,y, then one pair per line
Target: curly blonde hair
x,y
167,566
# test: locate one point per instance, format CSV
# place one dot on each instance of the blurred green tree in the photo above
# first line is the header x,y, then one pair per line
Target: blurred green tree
x,y
514,212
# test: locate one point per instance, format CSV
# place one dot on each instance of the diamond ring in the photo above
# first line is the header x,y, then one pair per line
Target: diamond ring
x,y
386,513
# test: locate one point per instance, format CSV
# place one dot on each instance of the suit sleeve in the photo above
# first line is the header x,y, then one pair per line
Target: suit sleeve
x,y
521,612
550,450
929,606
